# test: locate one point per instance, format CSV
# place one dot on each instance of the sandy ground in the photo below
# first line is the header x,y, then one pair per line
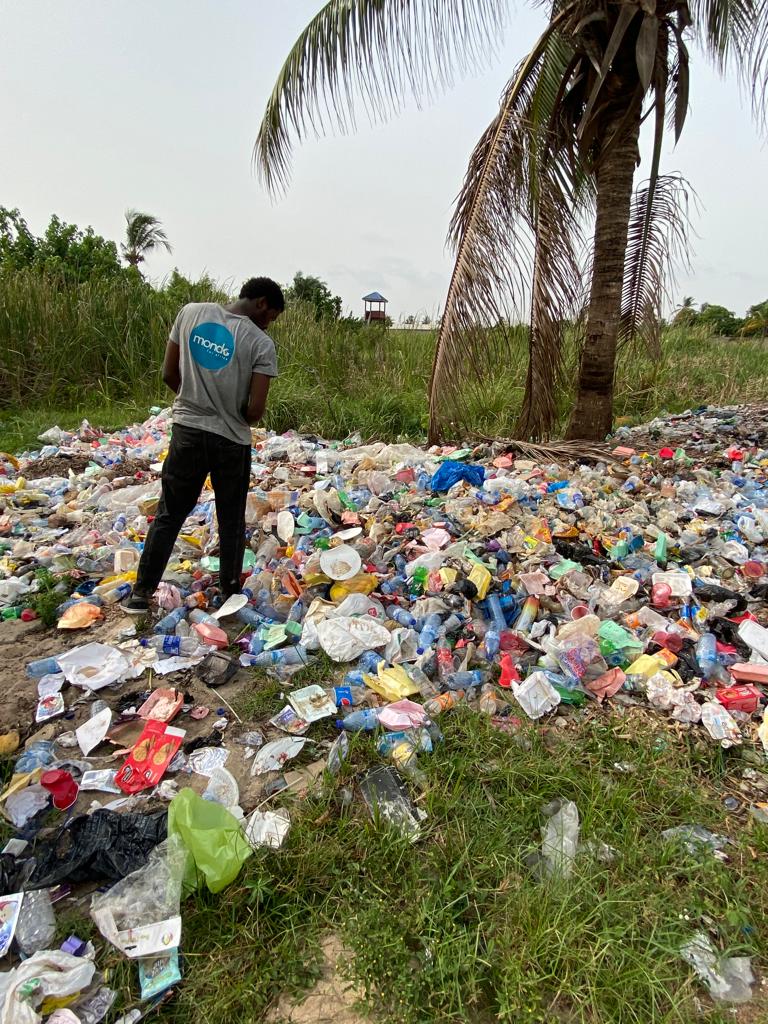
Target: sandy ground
x,y
332,1000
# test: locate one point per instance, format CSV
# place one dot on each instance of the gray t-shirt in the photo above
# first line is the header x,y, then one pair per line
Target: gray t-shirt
x,y
219,353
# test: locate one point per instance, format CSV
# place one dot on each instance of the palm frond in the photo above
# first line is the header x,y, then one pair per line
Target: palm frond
x,y
514,222
143,233
378,50
735,32
658,242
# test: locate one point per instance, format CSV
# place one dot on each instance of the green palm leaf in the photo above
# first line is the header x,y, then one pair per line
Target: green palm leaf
x,y
379,50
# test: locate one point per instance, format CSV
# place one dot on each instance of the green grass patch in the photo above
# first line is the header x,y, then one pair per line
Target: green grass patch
x,y
456,928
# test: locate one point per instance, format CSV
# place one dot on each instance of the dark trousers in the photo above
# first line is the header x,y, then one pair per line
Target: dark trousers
x,y
192,455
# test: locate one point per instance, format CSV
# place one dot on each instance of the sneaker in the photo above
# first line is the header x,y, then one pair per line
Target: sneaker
x,y
136,604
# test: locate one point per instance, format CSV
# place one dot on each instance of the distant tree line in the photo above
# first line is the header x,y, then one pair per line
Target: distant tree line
x,y
722,321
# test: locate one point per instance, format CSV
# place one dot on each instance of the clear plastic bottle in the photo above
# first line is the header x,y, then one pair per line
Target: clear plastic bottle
x,y
430,631
487,703
43,667
365,720
170,644
36,926
169,621
287,656
706,655
444,702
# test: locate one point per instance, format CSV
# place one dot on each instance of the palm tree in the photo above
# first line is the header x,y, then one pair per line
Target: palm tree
x,y
552,177
143,234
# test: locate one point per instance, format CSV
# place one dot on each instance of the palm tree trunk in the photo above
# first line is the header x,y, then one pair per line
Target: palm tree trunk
x,y
593,414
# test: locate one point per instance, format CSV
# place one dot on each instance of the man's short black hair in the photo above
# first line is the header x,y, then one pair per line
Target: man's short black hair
x,y
264,288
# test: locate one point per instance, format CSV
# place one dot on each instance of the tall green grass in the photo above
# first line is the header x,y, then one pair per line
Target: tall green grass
x,y
80,350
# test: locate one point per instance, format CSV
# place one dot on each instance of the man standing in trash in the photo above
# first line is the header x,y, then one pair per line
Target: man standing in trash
x,y
220,363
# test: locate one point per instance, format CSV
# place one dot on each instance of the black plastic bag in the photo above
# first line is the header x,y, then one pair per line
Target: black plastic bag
x,y
103,846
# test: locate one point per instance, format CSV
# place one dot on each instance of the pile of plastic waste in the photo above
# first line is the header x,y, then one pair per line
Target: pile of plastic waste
x,y
420,580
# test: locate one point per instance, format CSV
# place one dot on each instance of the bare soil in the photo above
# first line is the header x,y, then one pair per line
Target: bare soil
x,y
332,1000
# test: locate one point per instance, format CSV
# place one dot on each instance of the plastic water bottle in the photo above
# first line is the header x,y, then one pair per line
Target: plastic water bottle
x,y
487,704
495,612
492,643
168,623
393,586
402,617
454,623
297,655
443,702
43,667
197,617
465,680
120,523
430,631
444,659
169,644
706,655
355,678
369,661
365,720
117,593
251,617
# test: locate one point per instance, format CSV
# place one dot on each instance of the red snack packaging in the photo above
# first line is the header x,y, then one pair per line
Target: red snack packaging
x,y
150,757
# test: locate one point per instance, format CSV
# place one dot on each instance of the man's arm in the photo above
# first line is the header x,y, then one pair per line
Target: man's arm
x,y
172,367
257,398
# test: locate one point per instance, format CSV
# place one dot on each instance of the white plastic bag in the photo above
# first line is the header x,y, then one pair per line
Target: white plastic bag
x,y
345,638
93,666
47,973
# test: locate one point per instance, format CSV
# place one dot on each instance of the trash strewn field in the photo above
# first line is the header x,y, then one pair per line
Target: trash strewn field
x,y
492,728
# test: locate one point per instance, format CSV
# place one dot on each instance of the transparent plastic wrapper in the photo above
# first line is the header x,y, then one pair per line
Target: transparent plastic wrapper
x,y
48,974
36,925
560,838
140,915
719,724
215,844
728,979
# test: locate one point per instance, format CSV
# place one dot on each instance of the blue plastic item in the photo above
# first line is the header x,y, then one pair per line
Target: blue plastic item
x,y
451,472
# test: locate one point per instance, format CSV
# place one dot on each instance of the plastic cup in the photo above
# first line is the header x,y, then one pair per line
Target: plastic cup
x,y
753,570
62,787
579,611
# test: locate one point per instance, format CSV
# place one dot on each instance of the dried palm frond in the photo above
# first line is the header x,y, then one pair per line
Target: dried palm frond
x,y
562,451
381,50
516,238
659,230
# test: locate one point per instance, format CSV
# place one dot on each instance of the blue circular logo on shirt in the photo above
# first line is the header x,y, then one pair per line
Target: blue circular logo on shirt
x,y
212,346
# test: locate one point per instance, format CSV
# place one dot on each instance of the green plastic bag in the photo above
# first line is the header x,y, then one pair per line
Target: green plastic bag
x,y
215,843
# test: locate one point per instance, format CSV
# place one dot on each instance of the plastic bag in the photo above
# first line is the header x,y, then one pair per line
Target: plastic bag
x,y
451,472
97,847
729,979
216,846
80,616
345,638
49,973
139,915
560,838
536,695
95,665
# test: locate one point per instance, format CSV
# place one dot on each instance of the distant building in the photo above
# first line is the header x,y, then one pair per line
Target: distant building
x,y
375,299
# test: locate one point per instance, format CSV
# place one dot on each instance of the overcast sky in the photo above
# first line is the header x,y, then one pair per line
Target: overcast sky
x,y
155,105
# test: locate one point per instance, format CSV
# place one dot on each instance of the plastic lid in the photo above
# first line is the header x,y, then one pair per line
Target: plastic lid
x,y
341,563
